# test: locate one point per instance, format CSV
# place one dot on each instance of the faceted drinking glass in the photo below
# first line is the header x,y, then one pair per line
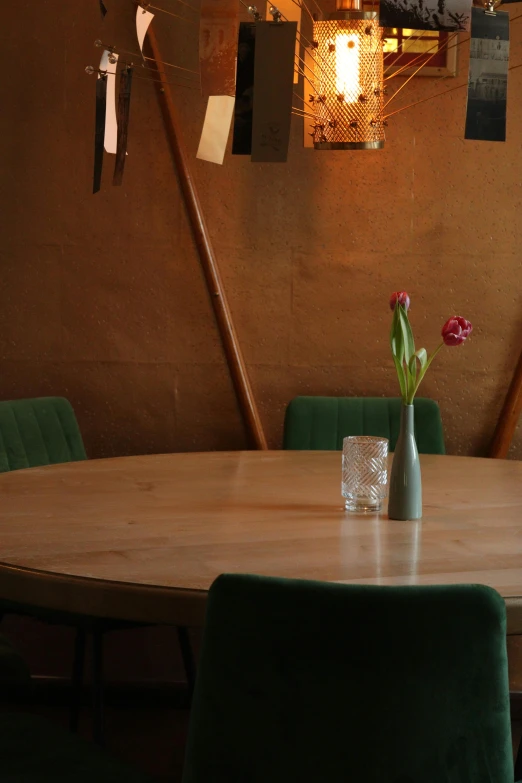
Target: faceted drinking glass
x,y
365,473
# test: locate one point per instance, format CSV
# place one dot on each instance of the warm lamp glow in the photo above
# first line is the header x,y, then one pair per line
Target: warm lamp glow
x,y
347,66
348,99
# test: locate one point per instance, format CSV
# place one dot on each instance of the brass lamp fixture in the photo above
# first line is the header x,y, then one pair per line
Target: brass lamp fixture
x,y
348,66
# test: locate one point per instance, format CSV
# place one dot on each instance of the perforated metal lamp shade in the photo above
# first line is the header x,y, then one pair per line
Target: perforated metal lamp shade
x,y
348,103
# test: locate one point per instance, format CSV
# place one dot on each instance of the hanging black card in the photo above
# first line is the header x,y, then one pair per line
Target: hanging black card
x,y
103,9
246,47
273,90
488,75
123,124
99,130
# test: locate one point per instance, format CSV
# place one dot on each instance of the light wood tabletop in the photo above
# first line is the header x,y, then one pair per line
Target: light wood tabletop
x,y
142,538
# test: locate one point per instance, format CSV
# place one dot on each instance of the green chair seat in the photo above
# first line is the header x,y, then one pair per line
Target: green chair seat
x,y
36,432
35,751
309,682
321,423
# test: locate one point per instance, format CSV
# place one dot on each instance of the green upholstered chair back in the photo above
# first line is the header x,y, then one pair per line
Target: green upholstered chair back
x,y
321,423
41,431
310,682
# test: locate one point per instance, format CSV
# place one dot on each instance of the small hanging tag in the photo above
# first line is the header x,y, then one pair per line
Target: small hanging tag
x,y
111,123
103,9
143,20
123,124
99,130
488,76
273,91
216,129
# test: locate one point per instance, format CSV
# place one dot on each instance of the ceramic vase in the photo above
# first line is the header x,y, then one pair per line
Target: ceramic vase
x,y
405,494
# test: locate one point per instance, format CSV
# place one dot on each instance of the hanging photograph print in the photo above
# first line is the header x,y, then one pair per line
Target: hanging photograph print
x,y
244,103
273,91
488,75
447,15
218,31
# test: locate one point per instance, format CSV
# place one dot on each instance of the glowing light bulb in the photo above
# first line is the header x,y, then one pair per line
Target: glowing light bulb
x,y
347,66
348,100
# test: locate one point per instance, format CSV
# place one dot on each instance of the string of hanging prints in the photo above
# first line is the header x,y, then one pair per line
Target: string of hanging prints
x,y
248,72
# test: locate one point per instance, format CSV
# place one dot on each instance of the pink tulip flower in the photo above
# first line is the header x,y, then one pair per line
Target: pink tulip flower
x,y
456,330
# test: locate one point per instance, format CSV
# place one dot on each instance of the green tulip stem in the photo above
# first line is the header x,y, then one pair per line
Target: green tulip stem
x,y
423,373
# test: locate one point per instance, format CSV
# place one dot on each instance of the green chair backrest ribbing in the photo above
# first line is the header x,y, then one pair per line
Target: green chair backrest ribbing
x,y
321,423
41,431
308,682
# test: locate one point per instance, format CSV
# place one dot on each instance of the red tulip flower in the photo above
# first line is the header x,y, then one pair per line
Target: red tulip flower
x,y
400,297
412,364
456,330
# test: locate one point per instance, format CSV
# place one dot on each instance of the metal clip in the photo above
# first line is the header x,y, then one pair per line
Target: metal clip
x,y
254,12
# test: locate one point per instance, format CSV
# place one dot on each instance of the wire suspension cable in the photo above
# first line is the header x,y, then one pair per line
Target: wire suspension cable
x,y
413,62
116,49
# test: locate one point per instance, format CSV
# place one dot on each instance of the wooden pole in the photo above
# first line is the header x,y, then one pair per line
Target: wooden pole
x,y
207,258
509,416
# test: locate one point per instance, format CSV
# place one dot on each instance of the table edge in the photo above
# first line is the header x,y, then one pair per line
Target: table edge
x,y
131,601
93,597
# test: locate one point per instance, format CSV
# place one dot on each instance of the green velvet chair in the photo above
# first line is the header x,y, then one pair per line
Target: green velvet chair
x,y
44,431
33,433
308,682
41,431
321,423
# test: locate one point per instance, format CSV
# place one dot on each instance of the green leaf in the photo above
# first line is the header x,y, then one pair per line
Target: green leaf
x,y
407,334
412,367
396,341
424,368
400,375
422,356
410,383
397,349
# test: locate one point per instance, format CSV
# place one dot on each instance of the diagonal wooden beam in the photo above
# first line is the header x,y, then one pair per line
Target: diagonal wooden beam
x,y
207,258
509,416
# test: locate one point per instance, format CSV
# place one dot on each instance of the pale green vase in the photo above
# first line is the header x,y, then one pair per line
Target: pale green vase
x,y
405,494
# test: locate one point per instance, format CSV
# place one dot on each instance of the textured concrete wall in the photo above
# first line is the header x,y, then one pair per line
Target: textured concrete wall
x,y
104,302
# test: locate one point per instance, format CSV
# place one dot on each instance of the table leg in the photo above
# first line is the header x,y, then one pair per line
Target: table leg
x,y
97,686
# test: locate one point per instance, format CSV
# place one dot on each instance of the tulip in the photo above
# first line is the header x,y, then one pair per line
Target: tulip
x,y
456,330
402,298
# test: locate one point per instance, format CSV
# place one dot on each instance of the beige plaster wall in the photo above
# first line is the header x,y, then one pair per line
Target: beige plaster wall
x,y
103,300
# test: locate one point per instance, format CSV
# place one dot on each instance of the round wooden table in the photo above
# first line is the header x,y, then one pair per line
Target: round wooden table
x,y
142,538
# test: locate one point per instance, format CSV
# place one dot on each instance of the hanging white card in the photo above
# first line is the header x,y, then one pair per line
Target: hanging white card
x,y
143,20
111,124
216,128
